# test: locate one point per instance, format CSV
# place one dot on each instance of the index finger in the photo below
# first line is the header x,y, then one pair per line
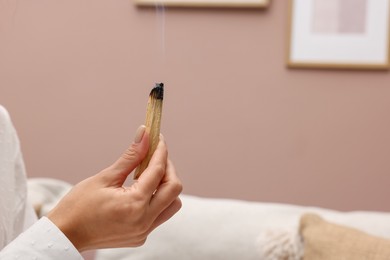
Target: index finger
x,y
155,172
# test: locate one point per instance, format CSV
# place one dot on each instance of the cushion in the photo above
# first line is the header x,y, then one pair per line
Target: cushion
x,y
324,240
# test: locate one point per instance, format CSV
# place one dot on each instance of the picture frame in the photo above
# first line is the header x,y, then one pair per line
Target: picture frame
x,y
327,34
206,3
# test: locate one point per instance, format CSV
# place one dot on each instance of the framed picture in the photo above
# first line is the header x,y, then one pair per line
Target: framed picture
x,y
206,3
339,34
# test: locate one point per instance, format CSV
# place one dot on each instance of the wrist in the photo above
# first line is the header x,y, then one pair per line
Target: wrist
x,y
69,229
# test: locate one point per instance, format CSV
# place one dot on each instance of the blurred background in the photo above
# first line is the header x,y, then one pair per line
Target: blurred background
x,y
75,77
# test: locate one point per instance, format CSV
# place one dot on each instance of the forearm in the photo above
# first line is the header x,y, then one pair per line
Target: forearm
x,y
43,241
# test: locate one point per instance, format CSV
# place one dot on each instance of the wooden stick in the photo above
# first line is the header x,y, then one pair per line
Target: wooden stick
x,y
152,123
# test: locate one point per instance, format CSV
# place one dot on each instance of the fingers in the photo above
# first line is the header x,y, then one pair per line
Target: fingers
x,y
155,172
130,159
171,210
169,189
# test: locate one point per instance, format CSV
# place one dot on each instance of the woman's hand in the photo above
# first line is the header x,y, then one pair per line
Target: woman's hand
x,y
100,212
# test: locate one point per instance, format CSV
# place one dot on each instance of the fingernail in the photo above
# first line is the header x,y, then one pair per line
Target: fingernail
x,y
139,134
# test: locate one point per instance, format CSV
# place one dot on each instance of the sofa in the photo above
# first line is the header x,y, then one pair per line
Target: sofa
x,y
228,229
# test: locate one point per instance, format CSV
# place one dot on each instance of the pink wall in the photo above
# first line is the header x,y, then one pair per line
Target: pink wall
x,y
75,76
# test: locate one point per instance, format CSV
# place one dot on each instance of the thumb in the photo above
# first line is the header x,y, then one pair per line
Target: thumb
x,y
131,158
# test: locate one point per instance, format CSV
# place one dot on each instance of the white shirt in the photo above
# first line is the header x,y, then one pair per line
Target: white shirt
x,y
42,240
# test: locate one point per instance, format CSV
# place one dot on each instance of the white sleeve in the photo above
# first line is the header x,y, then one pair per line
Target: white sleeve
x,y
42,241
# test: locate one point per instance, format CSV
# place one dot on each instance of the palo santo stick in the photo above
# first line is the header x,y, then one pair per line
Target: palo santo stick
x,y
152,123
